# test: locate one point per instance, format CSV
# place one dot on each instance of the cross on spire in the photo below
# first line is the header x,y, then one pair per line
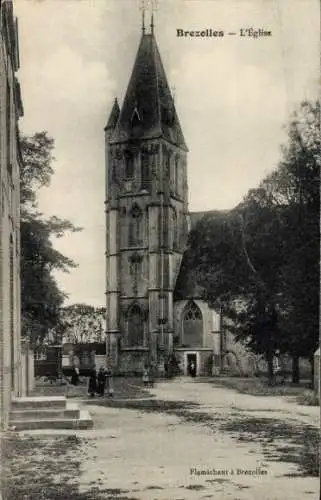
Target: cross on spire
x,y
143,8
154,9
151,5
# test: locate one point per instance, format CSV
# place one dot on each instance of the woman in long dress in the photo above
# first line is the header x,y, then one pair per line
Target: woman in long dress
x,y
101,380
75,375
92,385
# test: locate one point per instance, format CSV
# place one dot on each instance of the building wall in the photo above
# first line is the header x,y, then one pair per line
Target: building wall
x,y
10,110
226,353
211,324
208,349
143,275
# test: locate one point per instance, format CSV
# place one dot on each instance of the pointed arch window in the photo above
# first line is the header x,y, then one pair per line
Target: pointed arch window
x,y
135,227
192,325
114,175
135,116
135,326
145,171
174,229
167,166
177,178
163,234
129,165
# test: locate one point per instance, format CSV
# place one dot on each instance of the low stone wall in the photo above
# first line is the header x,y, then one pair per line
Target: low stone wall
x,y
132,362
100,360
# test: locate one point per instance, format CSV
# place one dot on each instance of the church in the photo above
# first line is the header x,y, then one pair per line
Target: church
x,y
147,226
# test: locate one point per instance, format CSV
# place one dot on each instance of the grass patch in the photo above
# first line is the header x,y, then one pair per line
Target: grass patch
x,y
39,467
147,405
196,487
260,386
218,480
124,388
298,444
308,398
46,467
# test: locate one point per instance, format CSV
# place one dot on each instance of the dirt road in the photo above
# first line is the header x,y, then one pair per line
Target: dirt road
x,y
193,441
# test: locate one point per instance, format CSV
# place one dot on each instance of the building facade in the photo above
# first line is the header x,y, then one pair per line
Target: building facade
x,y
147,224
155,310
10,112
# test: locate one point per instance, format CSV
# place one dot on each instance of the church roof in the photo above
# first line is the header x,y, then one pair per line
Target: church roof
x,y
187,286
195,217
148,110
113,117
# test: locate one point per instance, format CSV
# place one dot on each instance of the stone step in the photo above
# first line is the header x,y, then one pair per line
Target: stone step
x,y
83,422
70,411
39,402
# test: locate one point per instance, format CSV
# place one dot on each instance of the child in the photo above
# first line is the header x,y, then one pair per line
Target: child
x,y
110,383
146,377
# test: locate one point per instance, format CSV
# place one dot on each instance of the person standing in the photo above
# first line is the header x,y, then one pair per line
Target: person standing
x,y
150,376
101,380
92,385
146,377
75,375
277,375
193,369
110,383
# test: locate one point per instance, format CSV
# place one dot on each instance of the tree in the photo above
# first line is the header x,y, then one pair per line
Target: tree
x,y
229,253
300,272
82,323
261,260
40,294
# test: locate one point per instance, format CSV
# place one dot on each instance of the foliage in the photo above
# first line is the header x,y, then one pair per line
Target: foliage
x,y
261,260
36,168
82,323
41,297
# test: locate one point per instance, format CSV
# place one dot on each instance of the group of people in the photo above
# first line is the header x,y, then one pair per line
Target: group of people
x,y
98,381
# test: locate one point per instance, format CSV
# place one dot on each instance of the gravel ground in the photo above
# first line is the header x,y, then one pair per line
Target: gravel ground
x,y
189,441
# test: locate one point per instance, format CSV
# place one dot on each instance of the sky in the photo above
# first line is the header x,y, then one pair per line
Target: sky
x,y
233,95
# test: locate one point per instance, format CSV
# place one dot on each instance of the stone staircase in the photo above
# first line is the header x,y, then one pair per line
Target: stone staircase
x,y
32,413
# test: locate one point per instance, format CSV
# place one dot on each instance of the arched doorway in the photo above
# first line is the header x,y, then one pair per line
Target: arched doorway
x,y
135,327
192,326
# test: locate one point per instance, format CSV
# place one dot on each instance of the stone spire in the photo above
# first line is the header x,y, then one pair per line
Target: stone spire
x,y
148,110
113,117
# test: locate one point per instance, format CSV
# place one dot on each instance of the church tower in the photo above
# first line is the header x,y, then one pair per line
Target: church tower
x,y
146,215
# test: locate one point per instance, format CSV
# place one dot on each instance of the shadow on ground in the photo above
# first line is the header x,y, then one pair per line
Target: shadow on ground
x,y
298,444
46,468
284,442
